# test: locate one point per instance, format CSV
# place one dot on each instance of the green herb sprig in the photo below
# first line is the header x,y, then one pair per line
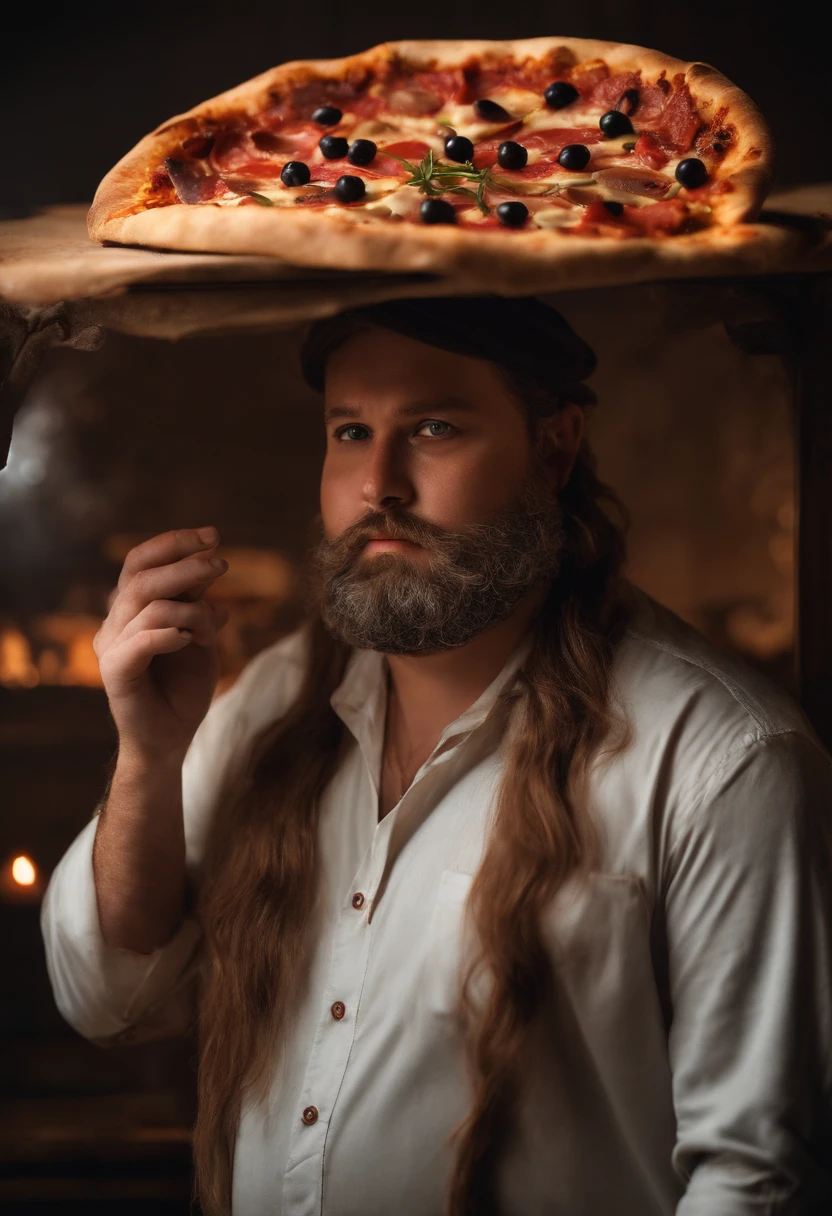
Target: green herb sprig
x,y
433,178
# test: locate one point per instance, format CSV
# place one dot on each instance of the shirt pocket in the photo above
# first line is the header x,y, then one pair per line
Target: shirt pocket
x,y
444,945
596,932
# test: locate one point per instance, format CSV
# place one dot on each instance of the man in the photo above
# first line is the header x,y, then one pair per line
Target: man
x,y
511,894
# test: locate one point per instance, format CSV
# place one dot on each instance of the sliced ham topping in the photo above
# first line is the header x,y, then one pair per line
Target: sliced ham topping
x,y
609,92
426,92
288,141
247,172
485,151
549,142
348,95
193,182
680,120
658,218
329,171
552,139
532,76
585,76
530,173
414,101
635,181
649,152
652,99
198,146
597,216
412,150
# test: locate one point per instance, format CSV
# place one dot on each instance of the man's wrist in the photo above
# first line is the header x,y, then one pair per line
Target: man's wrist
x,y
133,763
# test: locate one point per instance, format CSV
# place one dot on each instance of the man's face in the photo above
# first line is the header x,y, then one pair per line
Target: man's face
x,y
437,514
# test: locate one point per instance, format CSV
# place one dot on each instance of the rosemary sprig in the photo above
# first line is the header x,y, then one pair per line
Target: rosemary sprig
x,y
434,178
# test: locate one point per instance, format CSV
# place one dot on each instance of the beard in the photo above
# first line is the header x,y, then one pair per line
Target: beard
x,y
472,578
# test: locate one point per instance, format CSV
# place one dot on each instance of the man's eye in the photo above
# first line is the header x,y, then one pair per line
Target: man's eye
x,y
344,432
433,424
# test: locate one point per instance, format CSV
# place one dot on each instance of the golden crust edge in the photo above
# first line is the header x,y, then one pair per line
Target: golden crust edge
x,y
751,182
342,245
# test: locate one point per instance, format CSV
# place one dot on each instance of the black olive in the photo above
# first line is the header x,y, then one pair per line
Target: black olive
x,y
361,152
614,123
327,116
511,155
560,93
459,148
349,188
490,110
691,173
613,207
574,157
294,173
333,147
513,214
437,211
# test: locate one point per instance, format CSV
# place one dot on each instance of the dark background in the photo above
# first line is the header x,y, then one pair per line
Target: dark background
x,y
82,83
146,435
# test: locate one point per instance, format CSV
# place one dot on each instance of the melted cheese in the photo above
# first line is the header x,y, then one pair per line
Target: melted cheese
x,y
556,217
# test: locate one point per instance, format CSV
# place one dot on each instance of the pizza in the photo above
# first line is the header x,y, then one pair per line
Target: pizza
x,y
433,155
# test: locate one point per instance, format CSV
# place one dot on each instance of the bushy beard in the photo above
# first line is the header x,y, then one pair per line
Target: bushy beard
x,y
472,578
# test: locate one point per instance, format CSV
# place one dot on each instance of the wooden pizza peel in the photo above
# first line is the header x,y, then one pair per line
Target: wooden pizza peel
x,y
772,291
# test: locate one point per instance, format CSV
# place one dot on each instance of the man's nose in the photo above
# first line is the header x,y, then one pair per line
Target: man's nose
x,y
386,475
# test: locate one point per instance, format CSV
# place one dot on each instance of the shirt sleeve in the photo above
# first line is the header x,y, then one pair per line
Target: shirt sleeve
x,y
110,994
748,922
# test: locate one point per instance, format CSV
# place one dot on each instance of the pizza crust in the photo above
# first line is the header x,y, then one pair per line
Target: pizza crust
x,y
328,238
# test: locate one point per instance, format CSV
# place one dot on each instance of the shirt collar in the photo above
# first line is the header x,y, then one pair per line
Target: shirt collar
x,y
360,700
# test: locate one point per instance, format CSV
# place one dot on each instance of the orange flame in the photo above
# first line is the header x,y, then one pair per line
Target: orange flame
x,y
23,871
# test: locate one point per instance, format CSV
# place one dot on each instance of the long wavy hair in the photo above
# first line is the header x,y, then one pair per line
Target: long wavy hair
x,y
260,884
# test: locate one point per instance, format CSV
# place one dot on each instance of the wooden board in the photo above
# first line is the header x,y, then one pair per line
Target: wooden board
x,y
49,258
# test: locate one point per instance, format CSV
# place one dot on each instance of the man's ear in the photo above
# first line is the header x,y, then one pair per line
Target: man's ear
x,y
558,440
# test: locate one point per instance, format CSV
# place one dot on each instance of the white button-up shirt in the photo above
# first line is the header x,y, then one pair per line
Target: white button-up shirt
x,y
684,1062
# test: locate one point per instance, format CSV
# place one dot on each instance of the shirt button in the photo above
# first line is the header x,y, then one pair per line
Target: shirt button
x,y
310,1115
338,1010
357,899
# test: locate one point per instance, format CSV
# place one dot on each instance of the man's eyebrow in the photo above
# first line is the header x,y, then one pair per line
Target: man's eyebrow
x,y
459,404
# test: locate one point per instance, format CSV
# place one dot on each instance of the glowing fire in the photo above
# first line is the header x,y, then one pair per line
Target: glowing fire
x,y
58,647
65,653
23,871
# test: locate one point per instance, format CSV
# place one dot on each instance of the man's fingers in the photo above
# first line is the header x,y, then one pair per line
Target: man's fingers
x,y
162,614
165,583
191,595
184,581
165,548
129,660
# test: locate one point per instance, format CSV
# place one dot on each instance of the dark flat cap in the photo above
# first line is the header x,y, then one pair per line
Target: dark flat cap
x,y
521,333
